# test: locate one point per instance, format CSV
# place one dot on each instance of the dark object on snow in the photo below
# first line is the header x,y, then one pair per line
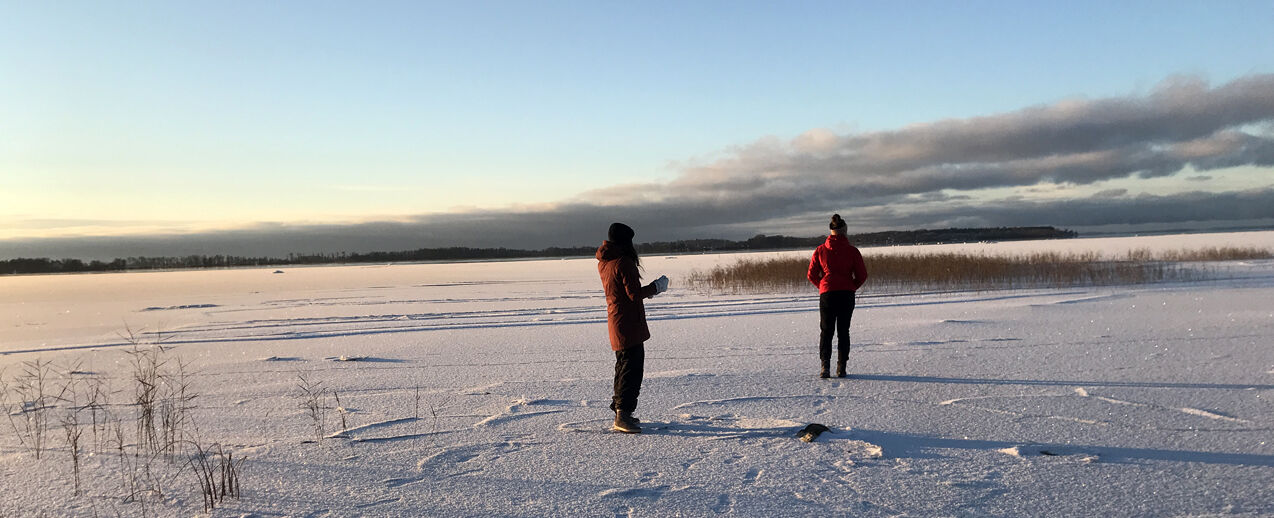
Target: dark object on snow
x,y
343,358
811,432
278,271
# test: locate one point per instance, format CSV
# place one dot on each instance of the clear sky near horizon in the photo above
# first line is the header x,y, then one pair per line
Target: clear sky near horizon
x,y
168,128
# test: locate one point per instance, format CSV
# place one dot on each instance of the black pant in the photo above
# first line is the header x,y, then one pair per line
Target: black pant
x,y
835,308
630,365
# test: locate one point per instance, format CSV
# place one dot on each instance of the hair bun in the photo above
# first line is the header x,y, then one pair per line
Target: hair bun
x,y
836,223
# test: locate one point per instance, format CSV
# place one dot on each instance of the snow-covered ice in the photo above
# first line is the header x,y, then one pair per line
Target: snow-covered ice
x,y
481,389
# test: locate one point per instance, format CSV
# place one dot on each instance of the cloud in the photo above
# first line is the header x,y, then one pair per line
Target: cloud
x,y
579,225
1181,123
924,175
1111,193
1102,209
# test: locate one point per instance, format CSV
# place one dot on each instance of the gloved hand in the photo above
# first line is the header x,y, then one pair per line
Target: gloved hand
x,y
661,284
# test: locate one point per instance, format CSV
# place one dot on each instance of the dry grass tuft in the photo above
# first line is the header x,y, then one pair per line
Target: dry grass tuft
x,y
1211,253
965,271
753,275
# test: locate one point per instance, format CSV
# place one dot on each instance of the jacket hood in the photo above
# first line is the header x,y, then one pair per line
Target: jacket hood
x,y
608,252
837,241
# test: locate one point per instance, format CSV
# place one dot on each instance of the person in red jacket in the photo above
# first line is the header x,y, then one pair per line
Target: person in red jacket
x,y
618,266
837,269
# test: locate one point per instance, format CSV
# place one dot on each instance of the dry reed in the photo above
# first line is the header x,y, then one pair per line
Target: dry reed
x,y
967,271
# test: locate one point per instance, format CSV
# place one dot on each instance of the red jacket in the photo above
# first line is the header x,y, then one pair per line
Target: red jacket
x,y
625,313
837,266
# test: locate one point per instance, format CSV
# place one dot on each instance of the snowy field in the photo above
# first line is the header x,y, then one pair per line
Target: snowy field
x,y
482,390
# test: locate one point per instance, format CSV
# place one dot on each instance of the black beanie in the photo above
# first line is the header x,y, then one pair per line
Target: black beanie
x,y
620,233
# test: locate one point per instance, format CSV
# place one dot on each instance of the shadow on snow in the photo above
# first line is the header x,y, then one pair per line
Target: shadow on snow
x,y
905,445
1060,383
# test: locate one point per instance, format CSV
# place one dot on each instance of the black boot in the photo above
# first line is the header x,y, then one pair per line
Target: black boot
x,y
826,372
625,422
842,357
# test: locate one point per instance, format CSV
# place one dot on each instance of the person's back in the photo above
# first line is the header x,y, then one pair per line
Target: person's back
x,y
837,266
838,270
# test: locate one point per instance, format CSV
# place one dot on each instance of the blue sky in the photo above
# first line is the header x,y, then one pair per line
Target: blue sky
x,y
167,119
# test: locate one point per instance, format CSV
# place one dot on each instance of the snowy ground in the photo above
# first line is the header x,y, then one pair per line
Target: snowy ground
x,y
1149,400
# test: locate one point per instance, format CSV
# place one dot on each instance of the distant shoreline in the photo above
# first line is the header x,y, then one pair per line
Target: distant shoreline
x,y
760,242
1176,231
454,255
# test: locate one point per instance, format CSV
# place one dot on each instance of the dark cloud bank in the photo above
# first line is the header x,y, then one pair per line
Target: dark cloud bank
x,y
899,179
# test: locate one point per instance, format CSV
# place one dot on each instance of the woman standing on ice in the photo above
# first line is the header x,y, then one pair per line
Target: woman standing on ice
x,y
837,269
618,264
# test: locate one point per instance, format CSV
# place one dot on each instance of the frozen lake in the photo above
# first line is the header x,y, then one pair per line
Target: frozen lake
x,y
483,387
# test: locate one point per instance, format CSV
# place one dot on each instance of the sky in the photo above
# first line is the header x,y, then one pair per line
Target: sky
x,y
267,128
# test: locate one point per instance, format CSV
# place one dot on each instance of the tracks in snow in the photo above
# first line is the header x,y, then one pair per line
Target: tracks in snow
x,y
544,311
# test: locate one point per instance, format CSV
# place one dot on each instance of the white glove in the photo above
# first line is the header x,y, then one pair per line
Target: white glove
x,y
661,284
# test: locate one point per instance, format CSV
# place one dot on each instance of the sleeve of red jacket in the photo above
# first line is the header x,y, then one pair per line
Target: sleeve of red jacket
x,y
860,270
632,282
815,273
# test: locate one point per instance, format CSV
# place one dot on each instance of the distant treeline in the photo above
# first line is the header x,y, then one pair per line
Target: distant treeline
x,y
893,237
759,242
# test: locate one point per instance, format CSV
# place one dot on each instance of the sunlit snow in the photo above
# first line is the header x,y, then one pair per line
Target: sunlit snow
x,y
481,389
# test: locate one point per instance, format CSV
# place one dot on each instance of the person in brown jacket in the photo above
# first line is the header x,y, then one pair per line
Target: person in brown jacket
x,y
618,266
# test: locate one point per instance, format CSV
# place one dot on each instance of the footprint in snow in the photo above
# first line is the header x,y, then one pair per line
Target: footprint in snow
x,y
1035,450
634,492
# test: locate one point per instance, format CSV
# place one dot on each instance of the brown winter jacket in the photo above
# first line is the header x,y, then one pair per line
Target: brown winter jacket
x,y
625,313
